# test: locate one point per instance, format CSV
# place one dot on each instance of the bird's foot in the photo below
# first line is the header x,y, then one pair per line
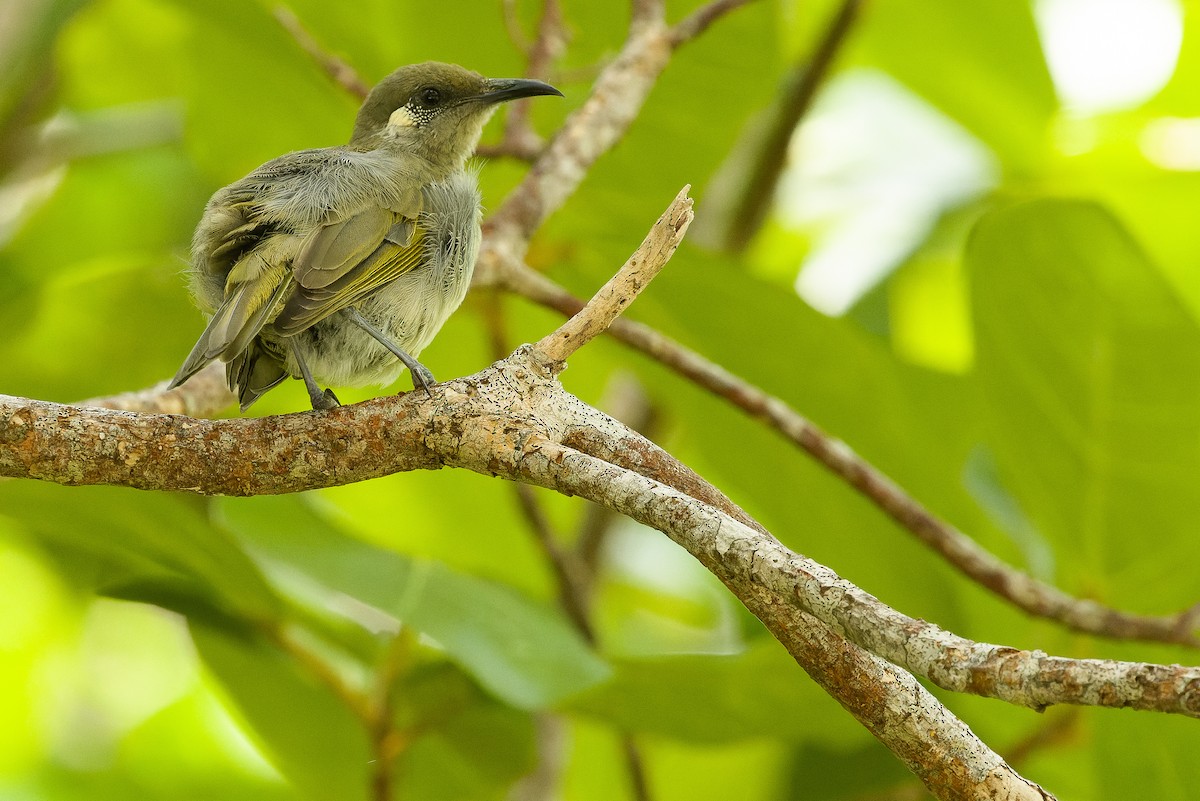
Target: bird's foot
x,y
422,378
324,401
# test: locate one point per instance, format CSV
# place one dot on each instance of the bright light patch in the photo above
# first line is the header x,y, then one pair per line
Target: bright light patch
x,y
1172,143
1106,55
874,166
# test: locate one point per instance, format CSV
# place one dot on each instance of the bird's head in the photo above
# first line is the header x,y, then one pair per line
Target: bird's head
x,y
435,111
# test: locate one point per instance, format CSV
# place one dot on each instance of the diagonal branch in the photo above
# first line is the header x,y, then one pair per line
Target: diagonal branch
x,y
520,140
744,557
588,133
337,69
750,179
1020,589
640,269
699,20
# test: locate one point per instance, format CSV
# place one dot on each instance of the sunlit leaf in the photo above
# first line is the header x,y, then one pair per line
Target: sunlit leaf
x,y
522,651
1091,369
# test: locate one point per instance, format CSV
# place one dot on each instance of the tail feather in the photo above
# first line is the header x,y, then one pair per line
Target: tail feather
x,y
232,329
253,372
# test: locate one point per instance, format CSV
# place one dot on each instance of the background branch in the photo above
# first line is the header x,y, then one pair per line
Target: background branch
x,y
520,140
744,187
699,20
336,68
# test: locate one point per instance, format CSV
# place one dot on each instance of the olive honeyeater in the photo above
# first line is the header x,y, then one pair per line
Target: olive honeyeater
x,y
340,264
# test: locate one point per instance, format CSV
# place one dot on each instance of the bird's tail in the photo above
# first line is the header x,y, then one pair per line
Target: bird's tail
x,y
252,372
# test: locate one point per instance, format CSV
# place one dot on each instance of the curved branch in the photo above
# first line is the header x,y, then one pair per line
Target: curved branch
x,y
589,132
743,557
755,190
337,69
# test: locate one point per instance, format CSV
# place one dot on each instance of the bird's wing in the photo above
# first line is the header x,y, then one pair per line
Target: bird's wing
x,y
343,263
255,248
237,218
334,249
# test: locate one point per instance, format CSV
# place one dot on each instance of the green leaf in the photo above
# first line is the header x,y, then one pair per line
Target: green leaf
x,y
1091,369
470,746
979,62
760,693
517,649
144,546
308,734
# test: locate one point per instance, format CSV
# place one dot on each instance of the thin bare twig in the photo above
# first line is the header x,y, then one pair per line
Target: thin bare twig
x,y
387,742
520,139
635,764
699,20
512,26
564,564
342,73
607,304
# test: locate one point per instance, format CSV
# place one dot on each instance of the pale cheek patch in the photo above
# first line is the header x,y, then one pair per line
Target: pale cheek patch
x,y
401,118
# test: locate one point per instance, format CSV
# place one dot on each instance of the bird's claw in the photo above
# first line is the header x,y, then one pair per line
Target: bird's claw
x,y
325,401
423,379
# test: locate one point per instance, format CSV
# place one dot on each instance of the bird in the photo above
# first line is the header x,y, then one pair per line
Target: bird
x,y
338,265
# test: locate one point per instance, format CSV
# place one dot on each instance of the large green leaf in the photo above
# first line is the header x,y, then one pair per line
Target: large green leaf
x,y
760,693
306,731
1091,371
517,649
146,546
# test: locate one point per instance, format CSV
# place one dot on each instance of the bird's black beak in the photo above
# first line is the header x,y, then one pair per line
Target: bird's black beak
x,y
501,90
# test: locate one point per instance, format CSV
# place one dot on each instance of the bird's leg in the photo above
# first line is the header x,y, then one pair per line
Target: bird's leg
x,y
321,400
420,373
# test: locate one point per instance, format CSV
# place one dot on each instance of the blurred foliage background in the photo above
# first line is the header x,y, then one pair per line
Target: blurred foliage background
x,y
979,269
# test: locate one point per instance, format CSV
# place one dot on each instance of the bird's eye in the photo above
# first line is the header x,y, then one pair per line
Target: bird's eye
x,y
430,97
